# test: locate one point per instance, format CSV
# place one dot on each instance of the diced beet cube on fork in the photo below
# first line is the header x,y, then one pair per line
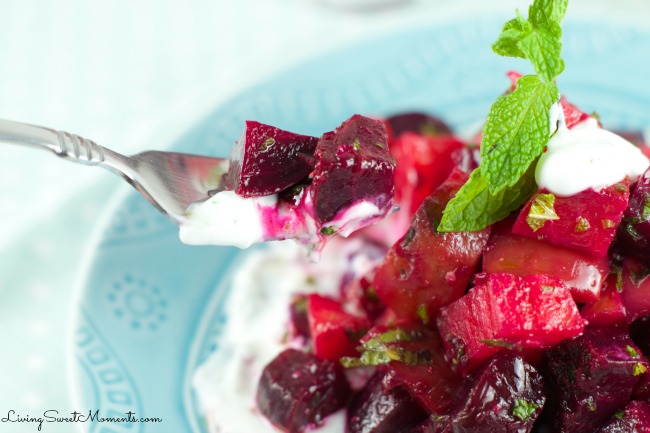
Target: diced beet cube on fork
x,y
352,163
266,160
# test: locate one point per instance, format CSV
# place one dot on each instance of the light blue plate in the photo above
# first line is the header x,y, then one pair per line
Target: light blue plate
x,y
151,308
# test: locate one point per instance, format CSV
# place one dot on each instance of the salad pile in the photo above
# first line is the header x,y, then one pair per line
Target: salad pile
x,y
512,292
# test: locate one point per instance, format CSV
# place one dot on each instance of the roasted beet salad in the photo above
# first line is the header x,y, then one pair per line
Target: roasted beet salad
x,y
503,285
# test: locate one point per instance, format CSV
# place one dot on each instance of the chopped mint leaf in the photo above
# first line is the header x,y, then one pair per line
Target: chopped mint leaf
x,y
390,336
498,343
639,369
541,210
423,314
608,224
547,288
632,351
516,131
619,414
582,225
524,408
378,350
591,403
356,145
267,143
474,207
328,231
645,214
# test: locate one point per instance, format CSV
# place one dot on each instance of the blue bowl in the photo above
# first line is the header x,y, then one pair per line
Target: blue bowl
x,y
151,308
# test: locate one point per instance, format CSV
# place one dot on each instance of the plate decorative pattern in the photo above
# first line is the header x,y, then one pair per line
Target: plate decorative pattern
x,y
151,308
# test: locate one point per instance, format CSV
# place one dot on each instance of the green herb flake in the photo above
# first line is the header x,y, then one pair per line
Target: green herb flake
x,y
266,145
423,313
591,403
618,271
632,351
541,210
498,343
645,213
547,288
356,145
620,414
608,224
639,369
328,231
523,408
582,225
621,187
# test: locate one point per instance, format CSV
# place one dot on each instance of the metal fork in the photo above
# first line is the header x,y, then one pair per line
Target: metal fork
x,y
170,181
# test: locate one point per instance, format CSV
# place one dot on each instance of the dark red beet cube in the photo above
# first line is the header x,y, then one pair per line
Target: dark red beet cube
x,y
640,333
589,378
298,316
608,310
423,164
634,419
298,389
586,221
419,123
507,311
431,381
426,270
642,388
334,332
505,396
352,163
636,289
633,236
376,409
267,160
582,273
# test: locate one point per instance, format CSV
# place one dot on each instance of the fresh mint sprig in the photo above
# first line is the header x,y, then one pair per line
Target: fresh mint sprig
x,y
517,127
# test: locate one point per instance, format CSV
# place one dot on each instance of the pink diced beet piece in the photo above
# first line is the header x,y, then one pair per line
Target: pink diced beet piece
x,y
608,310
266,160
505,310
426,270
586,221
636,289
432,381
582,273
633,237
352,163
334,332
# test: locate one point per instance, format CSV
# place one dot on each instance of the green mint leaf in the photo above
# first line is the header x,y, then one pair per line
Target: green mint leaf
x,y
513,31
474,207
538,39
544,13
516,131
543,50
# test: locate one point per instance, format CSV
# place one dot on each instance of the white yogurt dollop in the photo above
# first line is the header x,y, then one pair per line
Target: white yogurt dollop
x,y
257,313
586,156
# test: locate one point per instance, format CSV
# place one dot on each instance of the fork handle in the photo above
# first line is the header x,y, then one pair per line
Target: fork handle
x,y
63,144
